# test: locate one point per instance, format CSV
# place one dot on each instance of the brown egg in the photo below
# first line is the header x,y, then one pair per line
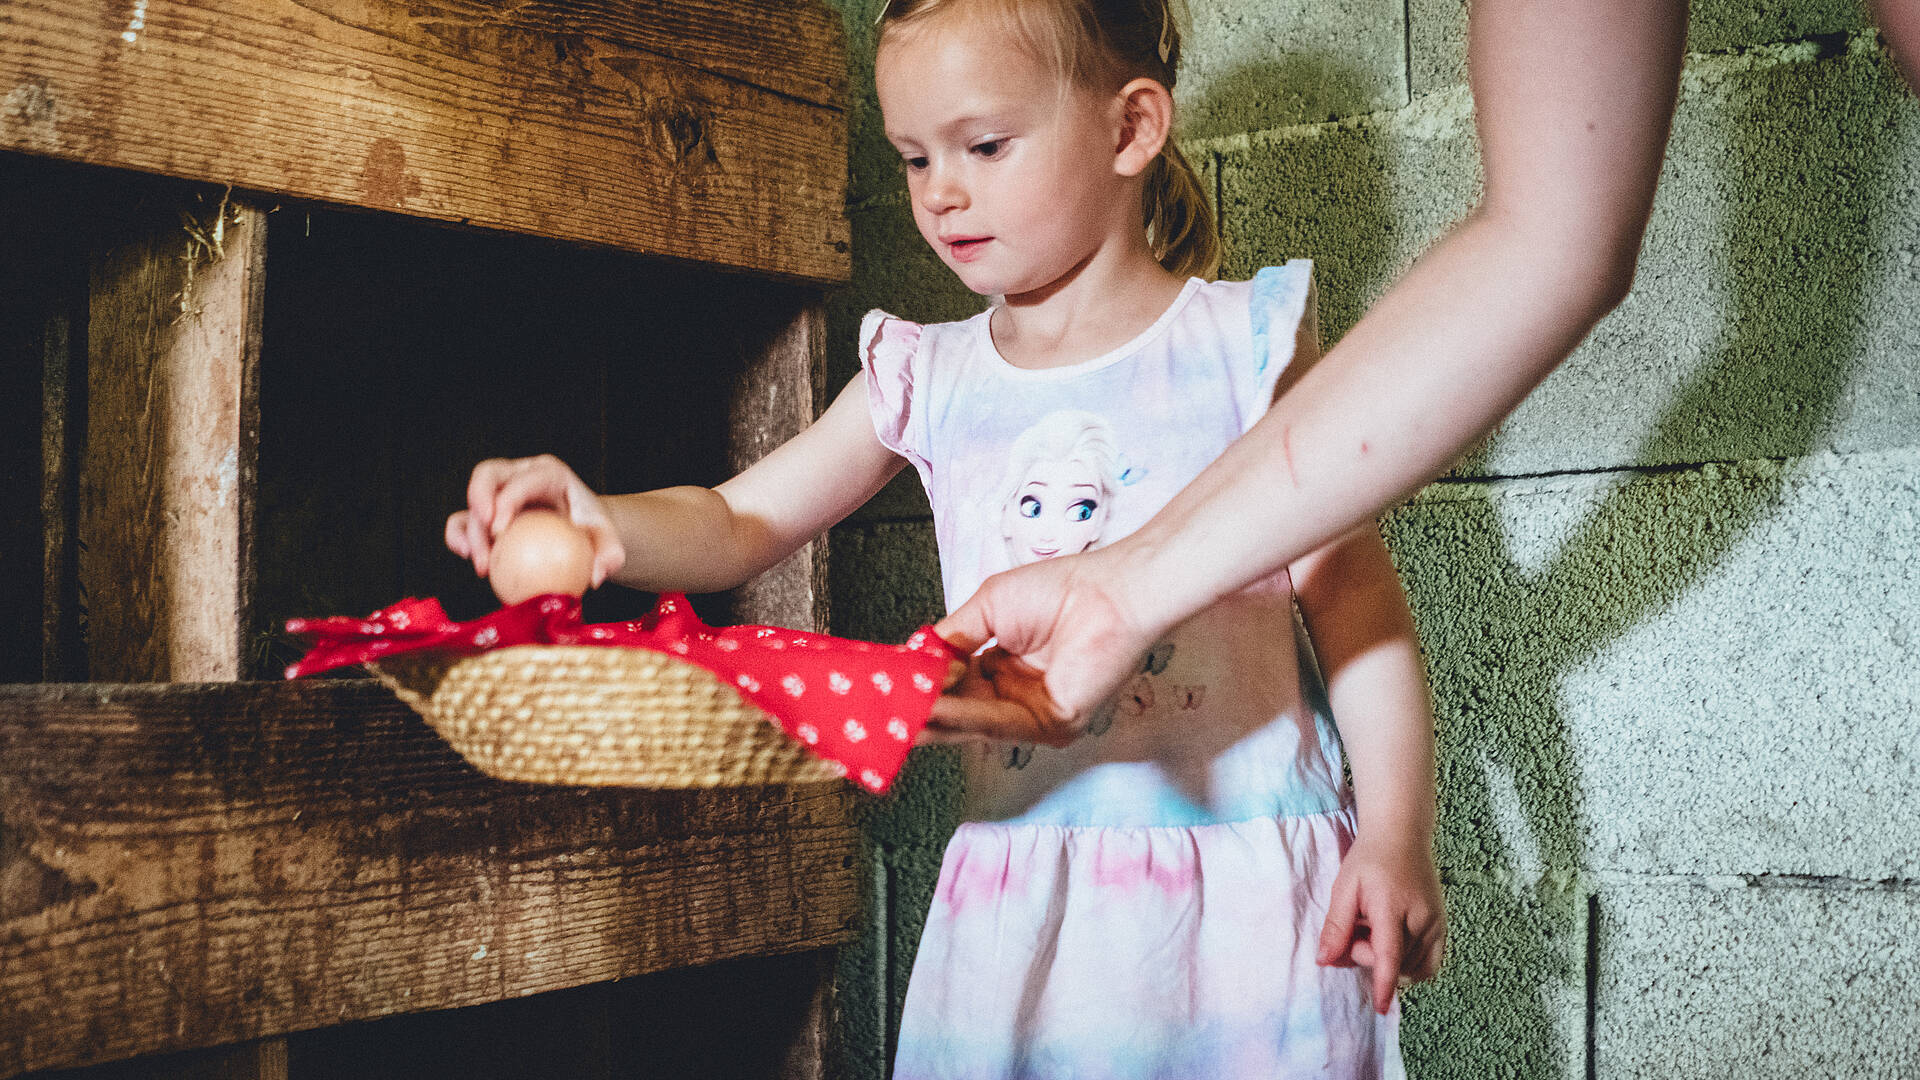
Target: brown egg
x,y
540,552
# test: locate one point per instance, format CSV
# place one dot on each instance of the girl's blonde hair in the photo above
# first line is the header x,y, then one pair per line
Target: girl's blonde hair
x,y
1064,435
1102,45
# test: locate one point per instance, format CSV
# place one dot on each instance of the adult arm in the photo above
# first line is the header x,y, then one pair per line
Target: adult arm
x,y
1574,102
1900,21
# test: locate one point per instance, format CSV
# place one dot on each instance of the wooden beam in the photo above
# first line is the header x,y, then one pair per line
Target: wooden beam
x,y
266,1059
709,130
167,477
187,866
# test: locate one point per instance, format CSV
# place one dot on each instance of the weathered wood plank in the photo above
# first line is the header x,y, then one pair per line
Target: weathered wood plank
x,y
62,397
774,399
266,1059
167,478
707,131
187,866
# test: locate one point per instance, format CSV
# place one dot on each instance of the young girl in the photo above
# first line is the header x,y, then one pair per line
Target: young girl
x,y
1184,890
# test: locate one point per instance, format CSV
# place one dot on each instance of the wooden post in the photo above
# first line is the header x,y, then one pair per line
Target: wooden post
x,y
62,389
778,394
166,480
776,397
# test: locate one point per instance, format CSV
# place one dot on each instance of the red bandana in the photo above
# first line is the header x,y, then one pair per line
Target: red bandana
x,y
854,703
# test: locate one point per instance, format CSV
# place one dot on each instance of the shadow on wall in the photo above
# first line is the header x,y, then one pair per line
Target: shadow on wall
x,y
1501,637
1298,88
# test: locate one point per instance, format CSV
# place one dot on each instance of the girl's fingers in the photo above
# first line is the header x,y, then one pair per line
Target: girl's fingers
x,y
528,487
457,541
1361,956
1388,943
965,718
1337,933
482,485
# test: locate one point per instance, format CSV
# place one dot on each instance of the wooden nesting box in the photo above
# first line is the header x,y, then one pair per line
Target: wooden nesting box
x,y
273,275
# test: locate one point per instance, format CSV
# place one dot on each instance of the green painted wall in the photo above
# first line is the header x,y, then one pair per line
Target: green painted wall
x,y
1671,609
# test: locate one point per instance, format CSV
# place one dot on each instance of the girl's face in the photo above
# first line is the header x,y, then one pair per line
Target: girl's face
x,y
1058,510
1010,171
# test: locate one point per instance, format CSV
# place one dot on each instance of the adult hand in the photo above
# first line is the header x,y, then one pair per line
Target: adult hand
x,y
500,488
1386,915
1065,639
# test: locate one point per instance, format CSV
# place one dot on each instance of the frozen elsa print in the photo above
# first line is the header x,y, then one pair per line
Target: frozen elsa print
x,y
1062,475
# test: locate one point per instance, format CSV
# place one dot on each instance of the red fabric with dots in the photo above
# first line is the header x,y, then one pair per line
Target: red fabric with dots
x,y
855,703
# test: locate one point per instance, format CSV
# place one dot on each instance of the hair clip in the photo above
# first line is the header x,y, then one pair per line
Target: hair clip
x,y
880,16
1166,32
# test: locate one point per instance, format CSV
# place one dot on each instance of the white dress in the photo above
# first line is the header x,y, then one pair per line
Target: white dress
x,y
1147,902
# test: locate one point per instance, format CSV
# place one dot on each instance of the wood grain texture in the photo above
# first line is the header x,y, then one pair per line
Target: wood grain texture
x,y
167,478
707,130
264,1059
186,866
774,399
61,649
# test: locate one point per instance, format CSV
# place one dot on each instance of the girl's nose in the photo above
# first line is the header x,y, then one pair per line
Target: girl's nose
x,y
942,192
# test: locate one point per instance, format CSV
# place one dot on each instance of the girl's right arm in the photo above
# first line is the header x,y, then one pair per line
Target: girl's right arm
x,y
695,539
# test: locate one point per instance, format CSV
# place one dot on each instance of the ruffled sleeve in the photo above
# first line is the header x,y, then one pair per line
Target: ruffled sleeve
x,y
1282,314
889,348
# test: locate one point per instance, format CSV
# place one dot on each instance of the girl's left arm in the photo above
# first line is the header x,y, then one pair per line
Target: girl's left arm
x,y
1386,912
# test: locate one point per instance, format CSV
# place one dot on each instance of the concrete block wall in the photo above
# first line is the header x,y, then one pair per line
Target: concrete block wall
x,y
1671,608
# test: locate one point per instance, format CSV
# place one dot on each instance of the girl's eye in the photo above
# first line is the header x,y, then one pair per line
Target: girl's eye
x,y
1082,510
1029,506
990,149
915,163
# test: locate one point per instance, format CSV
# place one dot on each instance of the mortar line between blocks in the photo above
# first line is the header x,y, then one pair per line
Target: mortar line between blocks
x,y
1439,109
1801,467
882,921
1593,985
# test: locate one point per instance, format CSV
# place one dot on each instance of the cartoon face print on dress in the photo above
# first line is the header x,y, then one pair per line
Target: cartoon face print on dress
x,y
1062,476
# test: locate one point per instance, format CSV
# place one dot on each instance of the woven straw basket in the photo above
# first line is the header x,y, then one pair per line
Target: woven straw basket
x,y
592,715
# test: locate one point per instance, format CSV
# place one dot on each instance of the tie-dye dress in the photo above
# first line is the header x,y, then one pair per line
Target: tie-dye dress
x,y
1145,903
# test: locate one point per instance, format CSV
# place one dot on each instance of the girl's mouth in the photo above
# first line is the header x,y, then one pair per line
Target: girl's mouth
x,y
967,248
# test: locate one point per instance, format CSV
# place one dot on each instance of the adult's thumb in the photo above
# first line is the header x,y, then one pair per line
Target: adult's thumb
x,y
966,628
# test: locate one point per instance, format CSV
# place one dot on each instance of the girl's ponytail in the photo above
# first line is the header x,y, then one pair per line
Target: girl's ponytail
x,y
1179,217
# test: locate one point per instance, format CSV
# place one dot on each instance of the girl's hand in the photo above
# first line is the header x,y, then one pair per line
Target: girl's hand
x,y
500,488
1386,915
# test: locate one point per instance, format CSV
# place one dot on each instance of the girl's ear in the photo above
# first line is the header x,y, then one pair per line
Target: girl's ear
x,y
1146,123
